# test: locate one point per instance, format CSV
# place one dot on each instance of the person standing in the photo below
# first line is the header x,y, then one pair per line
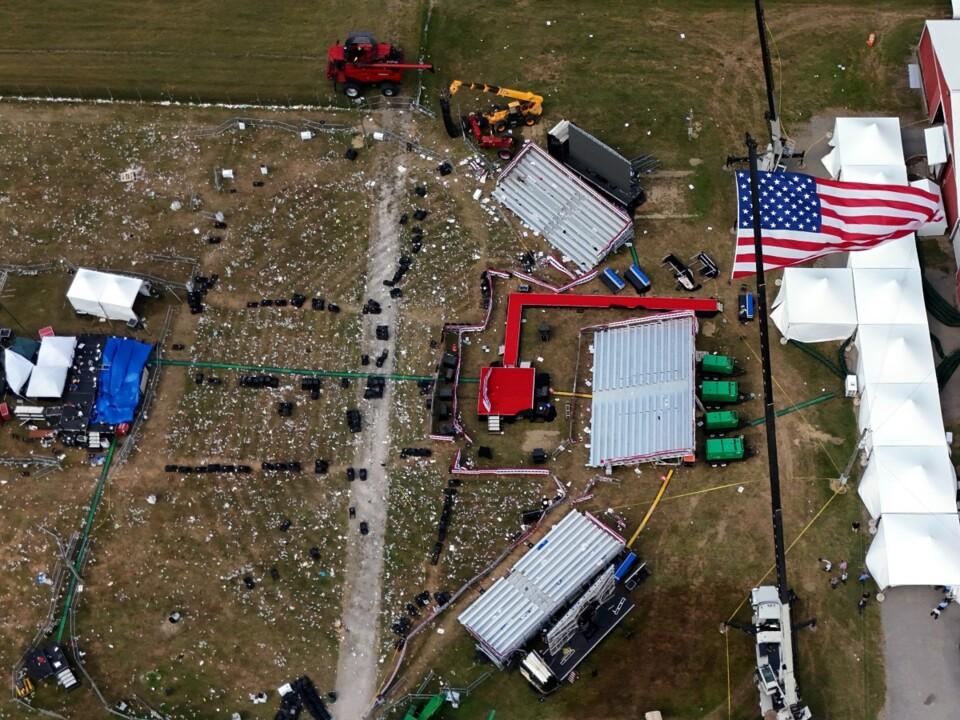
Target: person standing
x,y
862,604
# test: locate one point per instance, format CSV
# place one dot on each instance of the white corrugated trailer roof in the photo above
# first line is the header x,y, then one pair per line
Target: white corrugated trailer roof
x,y
643,390
518,605
554,202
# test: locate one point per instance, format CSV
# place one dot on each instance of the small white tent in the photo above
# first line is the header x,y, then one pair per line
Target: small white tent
x,y
17,369
56,351
865,141
909,480
815,304
937,227
104,295
889,297
894,354
875,174
118,296
84,292
901,414
47,382
916,550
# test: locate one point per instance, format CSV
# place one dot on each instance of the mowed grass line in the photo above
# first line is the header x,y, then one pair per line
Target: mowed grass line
x,y
243,51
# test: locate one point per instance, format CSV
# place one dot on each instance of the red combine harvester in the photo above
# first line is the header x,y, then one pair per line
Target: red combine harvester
x,y
362,61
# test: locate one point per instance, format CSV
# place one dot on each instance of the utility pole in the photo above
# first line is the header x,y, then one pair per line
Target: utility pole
x,y
773,121
770,415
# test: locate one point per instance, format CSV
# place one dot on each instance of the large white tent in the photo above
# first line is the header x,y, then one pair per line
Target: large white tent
x,y
56,351
17,370
901,414
47,382
104,294
909,480
900,253
916,549
889,297
894,354
815,304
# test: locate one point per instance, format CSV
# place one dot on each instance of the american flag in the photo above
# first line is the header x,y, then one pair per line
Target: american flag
x,y
803,217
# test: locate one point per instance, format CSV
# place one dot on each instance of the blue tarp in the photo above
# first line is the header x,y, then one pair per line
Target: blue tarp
x,y
118,392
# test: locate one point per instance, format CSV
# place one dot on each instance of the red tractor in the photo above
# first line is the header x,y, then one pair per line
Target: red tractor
x,y
475,124
362,61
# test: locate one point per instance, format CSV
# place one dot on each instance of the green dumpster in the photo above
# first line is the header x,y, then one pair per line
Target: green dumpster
x,y
721,420
725,449
720,391
717,365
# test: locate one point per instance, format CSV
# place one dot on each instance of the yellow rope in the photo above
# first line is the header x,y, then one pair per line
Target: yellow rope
x,y
686,494
770,570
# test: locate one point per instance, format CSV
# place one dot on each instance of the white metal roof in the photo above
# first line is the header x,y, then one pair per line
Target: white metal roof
x,y
518,605
945,36
643,390
555,203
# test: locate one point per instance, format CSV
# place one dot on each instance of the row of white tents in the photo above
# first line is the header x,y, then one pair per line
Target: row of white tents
x,y
47,377
909,485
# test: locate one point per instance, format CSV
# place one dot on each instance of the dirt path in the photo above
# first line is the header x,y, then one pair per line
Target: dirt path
x,y
357,667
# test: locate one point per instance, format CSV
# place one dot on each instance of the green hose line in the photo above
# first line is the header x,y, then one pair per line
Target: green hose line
x,y
84,543
206,364
941,308
842,356
633,254
819,358
947,367
937,346
799,406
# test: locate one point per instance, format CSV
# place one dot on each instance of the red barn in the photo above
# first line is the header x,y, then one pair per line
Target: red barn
x,y
939,57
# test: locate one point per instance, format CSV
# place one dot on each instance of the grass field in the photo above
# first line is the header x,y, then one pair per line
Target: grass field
x,y
641,79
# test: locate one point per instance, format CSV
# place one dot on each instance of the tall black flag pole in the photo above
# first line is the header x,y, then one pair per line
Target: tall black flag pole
x,y
770,416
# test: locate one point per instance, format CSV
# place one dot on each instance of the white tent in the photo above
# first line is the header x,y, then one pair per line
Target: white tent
x,y
894,254
56,351
84,292
17,369
916,550
118,297
47,382
815,304
894,354
909,480
875,174
104,295
889,296
868,141
901,414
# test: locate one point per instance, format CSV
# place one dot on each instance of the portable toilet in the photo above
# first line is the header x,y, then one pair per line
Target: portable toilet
x,y
636,277
612,280
718,365
725,449
720,391
721,420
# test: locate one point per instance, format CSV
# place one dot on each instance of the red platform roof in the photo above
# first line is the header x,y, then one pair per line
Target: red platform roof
x,y
505,391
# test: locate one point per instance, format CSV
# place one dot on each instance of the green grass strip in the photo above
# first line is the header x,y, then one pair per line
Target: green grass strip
x,y
799,406
84,542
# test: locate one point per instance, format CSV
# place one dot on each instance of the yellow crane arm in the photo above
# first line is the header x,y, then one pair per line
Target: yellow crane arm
x,y
497,90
